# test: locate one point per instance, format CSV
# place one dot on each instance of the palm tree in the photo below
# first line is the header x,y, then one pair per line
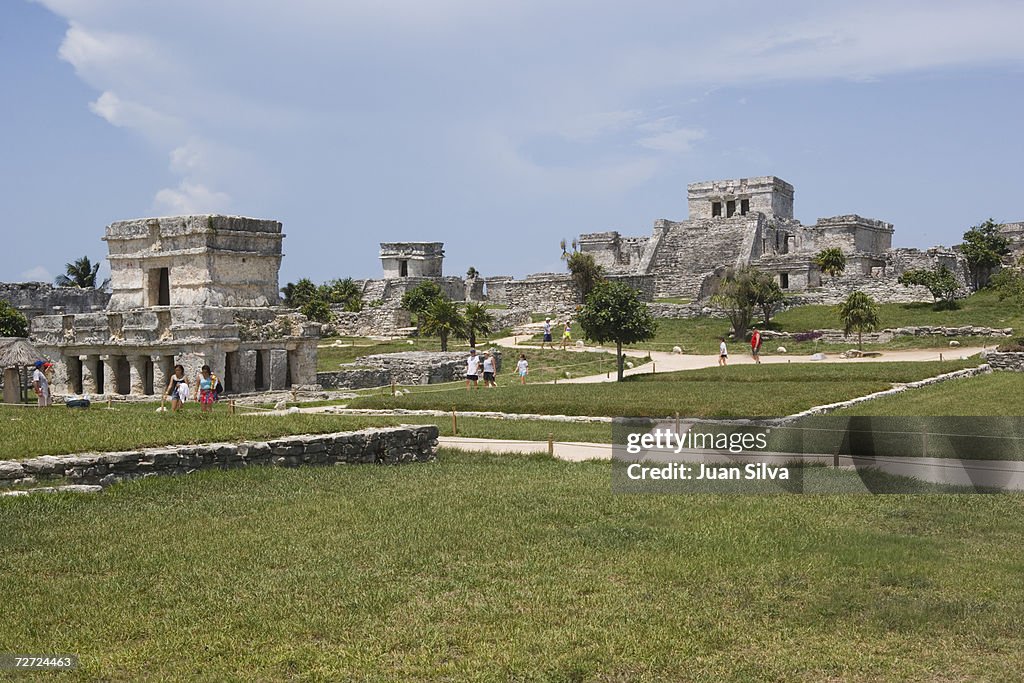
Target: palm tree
x,y
82,273
859,312
831,261
477,320
442,318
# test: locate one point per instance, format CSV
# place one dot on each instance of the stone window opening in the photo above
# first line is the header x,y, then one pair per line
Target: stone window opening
x,y
159,287
260,379
730,208
403,268
744,207
783,280
716,209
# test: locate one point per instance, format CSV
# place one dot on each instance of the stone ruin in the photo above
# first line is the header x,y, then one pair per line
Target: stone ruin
x,y
189,290
749,221
732,223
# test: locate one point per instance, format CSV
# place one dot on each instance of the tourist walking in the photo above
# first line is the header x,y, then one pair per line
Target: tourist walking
x,y
177,389
547,334
41,386
567,333
755,346
723,353
490,370
523,368
206,383
472,369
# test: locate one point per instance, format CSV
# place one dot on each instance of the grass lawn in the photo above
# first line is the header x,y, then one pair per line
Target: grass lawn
x,y
26,433
997,394
330,356
980,309
483,568
737,391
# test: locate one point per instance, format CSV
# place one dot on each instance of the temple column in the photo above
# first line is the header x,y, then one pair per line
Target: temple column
x,y
90,366
109,373
137,375
278,369
160,378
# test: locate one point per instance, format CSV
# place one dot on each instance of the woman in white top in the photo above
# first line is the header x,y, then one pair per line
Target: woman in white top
x,y
723,353
489,371
523,368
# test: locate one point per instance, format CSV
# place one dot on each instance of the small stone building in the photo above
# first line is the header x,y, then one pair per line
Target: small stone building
x,y
411,259
189,290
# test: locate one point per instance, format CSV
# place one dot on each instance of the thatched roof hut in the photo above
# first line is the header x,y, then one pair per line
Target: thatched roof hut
x,y
16,352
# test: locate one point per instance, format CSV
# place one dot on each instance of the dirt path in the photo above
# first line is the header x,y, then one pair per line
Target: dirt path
x,y
662,361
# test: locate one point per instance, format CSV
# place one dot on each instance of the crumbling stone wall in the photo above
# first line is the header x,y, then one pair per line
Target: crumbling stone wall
x,y
1005,360
40,298
387,446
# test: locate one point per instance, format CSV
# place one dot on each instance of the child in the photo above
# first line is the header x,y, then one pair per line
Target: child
x,y
523,368
723,353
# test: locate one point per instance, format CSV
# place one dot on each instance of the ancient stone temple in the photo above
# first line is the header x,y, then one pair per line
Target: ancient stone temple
x,y
749,221
192,290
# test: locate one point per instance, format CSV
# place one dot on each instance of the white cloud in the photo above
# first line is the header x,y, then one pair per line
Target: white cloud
x,y
676,141
37,274
190,198
125,114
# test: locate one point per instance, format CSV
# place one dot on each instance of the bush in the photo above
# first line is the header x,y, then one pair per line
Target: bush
x,y
806,336
12,322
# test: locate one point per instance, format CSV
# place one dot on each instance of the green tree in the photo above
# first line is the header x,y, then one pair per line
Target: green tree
x,y
12,322
767,295
317,309
418,299
443,319
940,282
831,261
983,248
738,295
472,273
1009,283
477,320
614,312
299,294
344,293
586,273
82,273
859,312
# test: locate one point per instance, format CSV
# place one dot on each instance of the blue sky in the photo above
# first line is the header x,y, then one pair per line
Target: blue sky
x,y
497,128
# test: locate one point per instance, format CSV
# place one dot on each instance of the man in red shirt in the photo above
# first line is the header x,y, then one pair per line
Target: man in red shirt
x,y
755,346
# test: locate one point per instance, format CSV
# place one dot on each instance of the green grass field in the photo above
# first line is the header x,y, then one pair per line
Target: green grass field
x,y
737,391
999,394
481,568
701,335
28,432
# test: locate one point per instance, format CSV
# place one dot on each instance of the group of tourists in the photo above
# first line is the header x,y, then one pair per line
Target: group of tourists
x,y
566,333
207,388
755,349
488,364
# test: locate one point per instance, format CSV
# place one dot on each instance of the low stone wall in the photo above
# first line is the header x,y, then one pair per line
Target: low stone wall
x,y
888,334
389,446
1001,360
356,378
420,367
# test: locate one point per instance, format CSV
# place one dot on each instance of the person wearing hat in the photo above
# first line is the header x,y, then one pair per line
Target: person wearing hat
x,y
547,334
40,385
